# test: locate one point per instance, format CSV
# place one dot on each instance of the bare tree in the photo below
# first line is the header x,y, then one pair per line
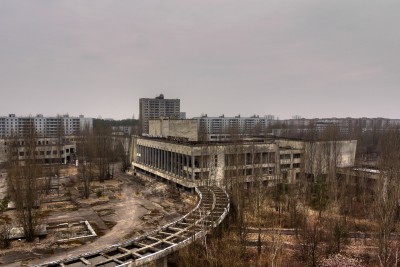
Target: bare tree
x,y
24,168
5,234
85,159
103,151
235,175
310,240
387,197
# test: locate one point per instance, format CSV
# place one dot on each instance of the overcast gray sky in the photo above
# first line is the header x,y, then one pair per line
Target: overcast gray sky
x,y
310,58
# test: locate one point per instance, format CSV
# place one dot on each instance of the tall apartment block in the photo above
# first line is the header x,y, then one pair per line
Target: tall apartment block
x,y
44,126
154,108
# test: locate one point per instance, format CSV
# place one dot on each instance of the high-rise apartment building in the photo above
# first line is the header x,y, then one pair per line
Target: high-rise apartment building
x,y
44,126
154,108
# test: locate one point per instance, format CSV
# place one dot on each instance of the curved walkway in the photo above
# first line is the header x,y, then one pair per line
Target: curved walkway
x,y
211,209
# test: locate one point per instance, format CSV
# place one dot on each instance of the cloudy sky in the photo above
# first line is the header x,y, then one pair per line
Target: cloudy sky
x,y
310,58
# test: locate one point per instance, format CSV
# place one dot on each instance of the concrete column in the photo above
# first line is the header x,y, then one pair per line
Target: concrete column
x,y
164,160
192,167
179,164
135,156
150,155
167,164
169,161
174,163
182,164
146,155
141,154
187,165
146,152
171,154
153,157
158,158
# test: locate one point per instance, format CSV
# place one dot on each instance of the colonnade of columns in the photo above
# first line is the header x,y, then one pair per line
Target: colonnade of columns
x,y
167,161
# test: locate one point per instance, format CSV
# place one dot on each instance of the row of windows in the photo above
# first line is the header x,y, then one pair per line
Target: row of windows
x,y
249,158
287,166
288,156
41,153
248,172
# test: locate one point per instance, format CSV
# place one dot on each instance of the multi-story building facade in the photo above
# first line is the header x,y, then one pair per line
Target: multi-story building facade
x,y
190,164
347,126
45,126
174,153
47,149
55,136
220,128
154,108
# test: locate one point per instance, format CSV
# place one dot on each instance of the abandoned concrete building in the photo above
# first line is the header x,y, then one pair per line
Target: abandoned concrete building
x,y
50,150
173,152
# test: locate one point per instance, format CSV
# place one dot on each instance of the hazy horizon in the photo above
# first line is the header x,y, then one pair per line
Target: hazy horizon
x,y
315,59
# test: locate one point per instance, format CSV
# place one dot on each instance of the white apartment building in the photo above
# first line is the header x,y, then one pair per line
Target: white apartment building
x,y
221,127
44,126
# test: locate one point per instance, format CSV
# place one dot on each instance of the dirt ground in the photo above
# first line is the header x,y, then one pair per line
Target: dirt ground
x,y
118,209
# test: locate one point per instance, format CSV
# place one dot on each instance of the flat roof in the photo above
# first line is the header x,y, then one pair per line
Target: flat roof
x,y
219,142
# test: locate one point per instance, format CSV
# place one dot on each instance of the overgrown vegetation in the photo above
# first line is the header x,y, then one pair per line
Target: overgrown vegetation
x,y
325,219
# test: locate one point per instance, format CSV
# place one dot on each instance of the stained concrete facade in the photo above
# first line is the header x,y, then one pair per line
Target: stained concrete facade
x,y
321,155
190,164
48,149
165,127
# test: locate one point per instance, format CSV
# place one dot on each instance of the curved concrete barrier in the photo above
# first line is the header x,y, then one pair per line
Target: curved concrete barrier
x,y
212,208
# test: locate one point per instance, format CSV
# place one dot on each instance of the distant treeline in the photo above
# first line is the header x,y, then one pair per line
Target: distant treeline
x,y
107,123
